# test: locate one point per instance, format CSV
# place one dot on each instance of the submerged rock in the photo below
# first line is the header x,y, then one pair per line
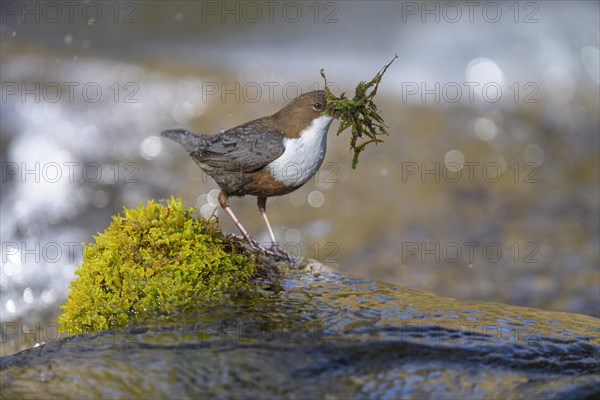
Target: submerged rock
x,y
323,334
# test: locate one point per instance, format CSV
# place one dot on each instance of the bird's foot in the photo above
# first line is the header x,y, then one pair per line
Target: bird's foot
x,y
276,249
254,245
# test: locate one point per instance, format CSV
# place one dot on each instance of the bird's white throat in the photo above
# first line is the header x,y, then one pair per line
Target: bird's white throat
x,y
303,156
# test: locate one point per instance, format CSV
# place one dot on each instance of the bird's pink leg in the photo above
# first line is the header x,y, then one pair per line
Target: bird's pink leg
x,y
262,208
275,249
224,202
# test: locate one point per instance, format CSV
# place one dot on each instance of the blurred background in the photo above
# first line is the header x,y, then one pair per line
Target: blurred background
x,y
486,189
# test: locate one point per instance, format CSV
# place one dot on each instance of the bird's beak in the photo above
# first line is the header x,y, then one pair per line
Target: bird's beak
x,y
329,108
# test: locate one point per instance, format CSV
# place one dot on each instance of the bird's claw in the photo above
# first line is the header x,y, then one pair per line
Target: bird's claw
x,y
276,249
254,245
273,250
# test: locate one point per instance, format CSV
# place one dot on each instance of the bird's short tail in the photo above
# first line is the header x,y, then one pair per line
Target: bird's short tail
x,y
188,140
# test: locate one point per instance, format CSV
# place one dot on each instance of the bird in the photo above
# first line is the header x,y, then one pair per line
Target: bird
x,y
269,156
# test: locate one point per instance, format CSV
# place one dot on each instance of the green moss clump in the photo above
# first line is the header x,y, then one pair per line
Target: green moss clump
x,y
153,261
360,114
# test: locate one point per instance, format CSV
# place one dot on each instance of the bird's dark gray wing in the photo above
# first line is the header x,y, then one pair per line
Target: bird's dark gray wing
x,y
241,149
187,139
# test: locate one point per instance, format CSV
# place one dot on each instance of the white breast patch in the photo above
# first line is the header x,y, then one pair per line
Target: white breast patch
x,y
303,156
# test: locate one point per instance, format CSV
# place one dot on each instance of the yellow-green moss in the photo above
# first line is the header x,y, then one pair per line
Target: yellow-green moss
x,y
154,260
360,114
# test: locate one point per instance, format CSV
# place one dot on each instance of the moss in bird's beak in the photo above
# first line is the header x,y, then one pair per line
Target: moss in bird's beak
x,y
360,114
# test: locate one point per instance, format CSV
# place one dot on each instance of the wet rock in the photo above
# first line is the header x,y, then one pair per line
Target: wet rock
x,y
325,335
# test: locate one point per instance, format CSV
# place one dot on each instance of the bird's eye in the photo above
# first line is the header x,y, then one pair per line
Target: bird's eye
x,y
317,106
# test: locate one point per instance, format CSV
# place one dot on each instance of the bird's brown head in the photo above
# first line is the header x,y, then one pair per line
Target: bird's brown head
x,y
301,111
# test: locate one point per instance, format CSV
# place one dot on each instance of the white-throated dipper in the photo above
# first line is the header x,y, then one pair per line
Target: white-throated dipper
x,y
269,156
